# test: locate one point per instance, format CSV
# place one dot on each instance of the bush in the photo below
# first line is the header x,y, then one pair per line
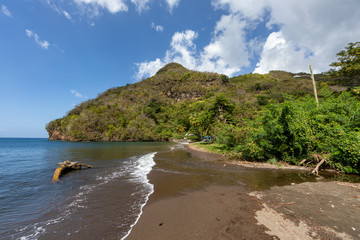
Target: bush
x,y
228,135
291,131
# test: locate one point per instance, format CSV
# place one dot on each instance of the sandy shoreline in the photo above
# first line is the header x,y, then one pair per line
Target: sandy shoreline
x,y
309,210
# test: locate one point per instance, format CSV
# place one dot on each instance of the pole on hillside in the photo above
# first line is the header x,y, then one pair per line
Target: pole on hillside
x,y
314,86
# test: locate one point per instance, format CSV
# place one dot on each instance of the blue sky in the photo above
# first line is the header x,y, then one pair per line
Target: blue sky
x,y
55,54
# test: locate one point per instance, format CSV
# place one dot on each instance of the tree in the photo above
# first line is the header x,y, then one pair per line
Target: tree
x,y
206,114
347,67
222,108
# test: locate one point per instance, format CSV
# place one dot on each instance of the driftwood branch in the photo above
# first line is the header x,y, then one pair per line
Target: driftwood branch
x,y
320,159
303,161
67,165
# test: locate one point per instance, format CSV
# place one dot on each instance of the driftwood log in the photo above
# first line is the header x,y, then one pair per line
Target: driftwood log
x,y
320,161
67,165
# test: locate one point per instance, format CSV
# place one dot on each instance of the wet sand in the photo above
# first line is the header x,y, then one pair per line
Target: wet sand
x,y
308,210
216,212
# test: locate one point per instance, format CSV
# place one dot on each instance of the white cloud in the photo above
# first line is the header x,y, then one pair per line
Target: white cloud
x,y
77,94
226,53
94,6
5,11
158,28
146,69
301,33
44,44
141,4
182,51
280,54
172,4
251,9
67,15
310,32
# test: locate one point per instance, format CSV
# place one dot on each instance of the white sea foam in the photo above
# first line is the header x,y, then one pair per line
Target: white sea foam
x,y
142,169
37,231
136,171
114,175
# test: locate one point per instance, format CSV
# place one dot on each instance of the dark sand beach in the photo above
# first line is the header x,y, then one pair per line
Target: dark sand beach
x,y
309,209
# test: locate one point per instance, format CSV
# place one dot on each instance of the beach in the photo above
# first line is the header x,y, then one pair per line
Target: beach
x,y
167,191
311,209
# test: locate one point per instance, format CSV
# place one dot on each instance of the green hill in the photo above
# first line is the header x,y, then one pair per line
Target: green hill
x,y
270,117
176,101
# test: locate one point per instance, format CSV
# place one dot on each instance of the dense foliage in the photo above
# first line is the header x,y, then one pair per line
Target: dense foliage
x,y
173,103
297,128
292,130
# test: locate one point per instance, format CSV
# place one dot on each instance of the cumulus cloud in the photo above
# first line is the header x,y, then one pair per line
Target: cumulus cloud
x,y
299,34
44,44
278,53
158,28
146,69
5,11
77,94
182,50
226,53
310,31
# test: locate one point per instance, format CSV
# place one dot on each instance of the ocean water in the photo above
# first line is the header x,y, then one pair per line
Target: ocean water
x,y
99,203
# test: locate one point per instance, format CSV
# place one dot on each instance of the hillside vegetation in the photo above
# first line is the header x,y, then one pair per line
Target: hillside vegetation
x,y
174,102
271,117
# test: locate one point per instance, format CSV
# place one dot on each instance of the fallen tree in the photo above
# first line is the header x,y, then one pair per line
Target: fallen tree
x,y
67,165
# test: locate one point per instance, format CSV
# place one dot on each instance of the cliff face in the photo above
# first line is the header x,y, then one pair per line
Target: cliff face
x,y
172,103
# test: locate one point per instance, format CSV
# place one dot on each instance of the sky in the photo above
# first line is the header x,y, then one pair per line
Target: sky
x,y
55,54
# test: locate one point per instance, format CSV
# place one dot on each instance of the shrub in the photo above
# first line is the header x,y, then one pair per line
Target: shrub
x,y
294,129
228,135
